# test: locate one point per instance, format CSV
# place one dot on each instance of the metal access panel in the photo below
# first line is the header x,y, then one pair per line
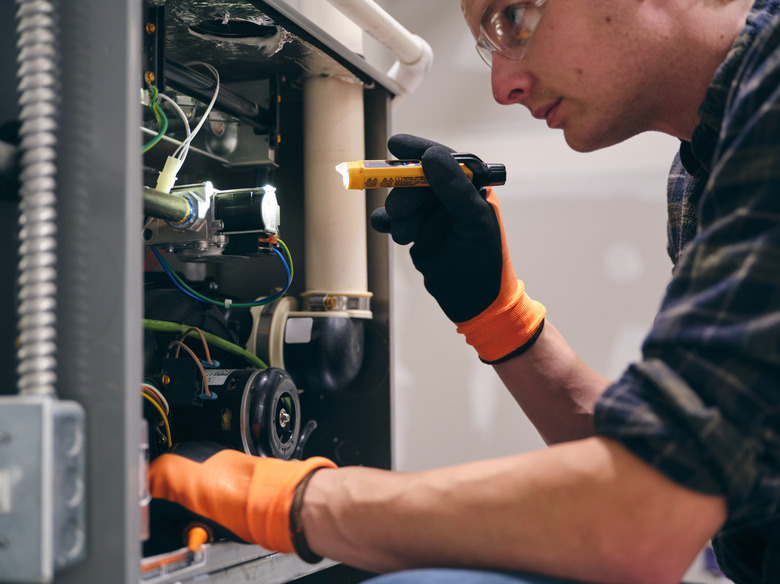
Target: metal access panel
x,y
108,286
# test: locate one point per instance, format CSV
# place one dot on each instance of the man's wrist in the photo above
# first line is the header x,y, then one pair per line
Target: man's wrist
x,y
299,541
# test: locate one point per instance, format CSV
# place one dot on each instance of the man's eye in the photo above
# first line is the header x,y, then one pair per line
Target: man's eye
x,y
515,13
514,16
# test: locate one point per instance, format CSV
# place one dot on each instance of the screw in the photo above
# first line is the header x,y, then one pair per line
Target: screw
x,y
284,418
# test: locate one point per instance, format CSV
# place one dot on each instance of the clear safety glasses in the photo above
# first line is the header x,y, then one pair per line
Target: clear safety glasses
x,y
506,28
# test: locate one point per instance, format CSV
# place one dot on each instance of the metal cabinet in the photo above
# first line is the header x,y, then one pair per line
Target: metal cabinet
x,y
106,51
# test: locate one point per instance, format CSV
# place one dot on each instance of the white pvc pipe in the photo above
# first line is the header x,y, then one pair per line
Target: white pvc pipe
x,y
335,219
415,56
335,23
369,16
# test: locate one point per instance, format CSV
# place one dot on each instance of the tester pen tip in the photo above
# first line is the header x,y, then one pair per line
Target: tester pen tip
x,y
344,172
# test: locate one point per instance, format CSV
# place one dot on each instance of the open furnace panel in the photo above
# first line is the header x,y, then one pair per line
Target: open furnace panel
x,y
186,307
280,371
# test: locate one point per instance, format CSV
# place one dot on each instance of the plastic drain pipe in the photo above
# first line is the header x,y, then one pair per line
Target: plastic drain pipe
x,y
326,336
335,223
335,219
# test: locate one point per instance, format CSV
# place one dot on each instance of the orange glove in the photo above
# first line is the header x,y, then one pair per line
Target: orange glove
x,y
513,321
250,496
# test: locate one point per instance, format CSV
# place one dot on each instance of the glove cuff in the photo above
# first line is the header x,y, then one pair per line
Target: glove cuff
x,y
506,328
270,500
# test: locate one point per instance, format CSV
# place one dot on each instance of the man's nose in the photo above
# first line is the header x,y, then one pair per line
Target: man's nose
x,y
511,80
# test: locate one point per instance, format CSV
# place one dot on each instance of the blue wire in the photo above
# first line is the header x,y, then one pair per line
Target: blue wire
x,y
167,269
286,271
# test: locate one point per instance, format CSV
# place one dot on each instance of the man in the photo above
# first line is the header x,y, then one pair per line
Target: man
x,y
642,472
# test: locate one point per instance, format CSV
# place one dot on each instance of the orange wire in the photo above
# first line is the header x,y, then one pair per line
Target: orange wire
x,y
166,561
153,396
203,340
198,363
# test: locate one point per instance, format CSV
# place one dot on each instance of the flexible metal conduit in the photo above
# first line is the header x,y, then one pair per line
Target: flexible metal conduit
x,y
38,79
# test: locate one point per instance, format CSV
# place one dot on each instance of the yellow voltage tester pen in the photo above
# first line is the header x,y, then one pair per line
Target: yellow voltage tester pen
x,y
388,174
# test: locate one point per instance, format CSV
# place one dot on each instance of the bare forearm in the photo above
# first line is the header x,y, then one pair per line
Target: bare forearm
x,y
587,510
555,389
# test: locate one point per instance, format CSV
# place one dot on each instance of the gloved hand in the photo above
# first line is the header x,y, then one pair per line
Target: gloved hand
x,y
250,496
460,248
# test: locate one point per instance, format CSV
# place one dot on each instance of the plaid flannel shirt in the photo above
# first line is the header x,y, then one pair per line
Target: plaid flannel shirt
x,y
703,404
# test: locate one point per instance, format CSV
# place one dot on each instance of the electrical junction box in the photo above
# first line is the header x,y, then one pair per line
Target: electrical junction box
x,y
42,495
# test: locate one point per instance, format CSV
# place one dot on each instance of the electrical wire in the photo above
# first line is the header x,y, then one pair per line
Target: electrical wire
x,y
181,152
165,326
289,257
182,285
203,340
150,262
152,396
159,115
164,417
192,354
158,394
177,108
183,556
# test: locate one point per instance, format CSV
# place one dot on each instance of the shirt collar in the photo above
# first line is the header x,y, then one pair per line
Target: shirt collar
x,y
713,108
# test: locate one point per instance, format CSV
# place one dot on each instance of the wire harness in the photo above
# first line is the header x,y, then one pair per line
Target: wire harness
x,y
189,291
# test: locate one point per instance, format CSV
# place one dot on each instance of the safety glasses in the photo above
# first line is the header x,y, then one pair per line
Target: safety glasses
x,y
506,28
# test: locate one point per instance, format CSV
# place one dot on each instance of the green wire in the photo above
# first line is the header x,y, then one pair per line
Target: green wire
x,y
174,327
171,272
289,258
159,115
174,275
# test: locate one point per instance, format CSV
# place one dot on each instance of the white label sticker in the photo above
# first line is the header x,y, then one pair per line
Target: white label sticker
x,y
298,330
218,376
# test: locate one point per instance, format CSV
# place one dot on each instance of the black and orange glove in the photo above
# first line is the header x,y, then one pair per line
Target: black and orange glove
x,y
460,248
250,496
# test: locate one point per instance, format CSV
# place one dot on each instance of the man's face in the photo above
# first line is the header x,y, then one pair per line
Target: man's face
x,y
590,68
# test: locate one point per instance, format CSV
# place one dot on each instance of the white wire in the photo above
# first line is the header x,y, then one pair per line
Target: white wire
x,y
157,392
182,151
178,110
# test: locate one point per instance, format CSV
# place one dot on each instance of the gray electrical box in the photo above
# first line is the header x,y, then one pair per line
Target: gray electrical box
x,y
42,487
